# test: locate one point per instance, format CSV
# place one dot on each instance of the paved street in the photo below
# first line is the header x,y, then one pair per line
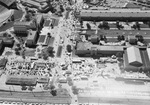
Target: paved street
x,y
33,97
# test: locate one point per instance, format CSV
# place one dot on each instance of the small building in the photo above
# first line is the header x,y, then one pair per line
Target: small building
x,y
32,38
134,56
140,60
93,39
43,80
47,23
54,22
8,42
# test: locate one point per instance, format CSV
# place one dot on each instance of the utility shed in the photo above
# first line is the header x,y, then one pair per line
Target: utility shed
x,y
134,56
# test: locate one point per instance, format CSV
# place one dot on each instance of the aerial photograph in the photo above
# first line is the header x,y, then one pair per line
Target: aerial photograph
x,y
74,52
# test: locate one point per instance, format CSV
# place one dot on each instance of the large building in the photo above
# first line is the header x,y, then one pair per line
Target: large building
x,y
88,49
39,21
32,38
136,59
114,14
23,27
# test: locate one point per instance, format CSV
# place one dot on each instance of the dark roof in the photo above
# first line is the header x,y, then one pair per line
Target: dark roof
x,y
3,62
67,15
21,80
59,51
114,33
55,22
47,23
42,38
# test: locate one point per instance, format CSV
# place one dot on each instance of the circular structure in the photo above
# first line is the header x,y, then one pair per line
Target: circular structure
x,y
5,16
4,11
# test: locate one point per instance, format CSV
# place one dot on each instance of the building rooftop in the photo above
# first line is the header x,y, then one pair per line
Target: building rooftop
x,y
131,5
39,18
8,2
114,33
90,46
145,62
21,80
47,23
19,23
32,35
134,55
115,13
31,2
41,38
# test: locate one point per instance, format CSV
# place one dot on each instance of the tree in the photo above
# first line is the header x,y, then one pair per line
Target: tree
x,y
30,88
12,18
52,87
88,26
75,90
81,23
119,54
45,56
105,25
5,34
50,51
53,92
18,45
119,38
137,25
61,8
28,16
70,83
23,87
100,26
49,34
122,37
69,48
118,25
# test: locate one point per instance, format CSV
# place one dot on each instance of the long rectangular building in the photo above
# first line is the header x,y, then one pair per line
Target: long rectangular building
x,y
88,49
115,14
